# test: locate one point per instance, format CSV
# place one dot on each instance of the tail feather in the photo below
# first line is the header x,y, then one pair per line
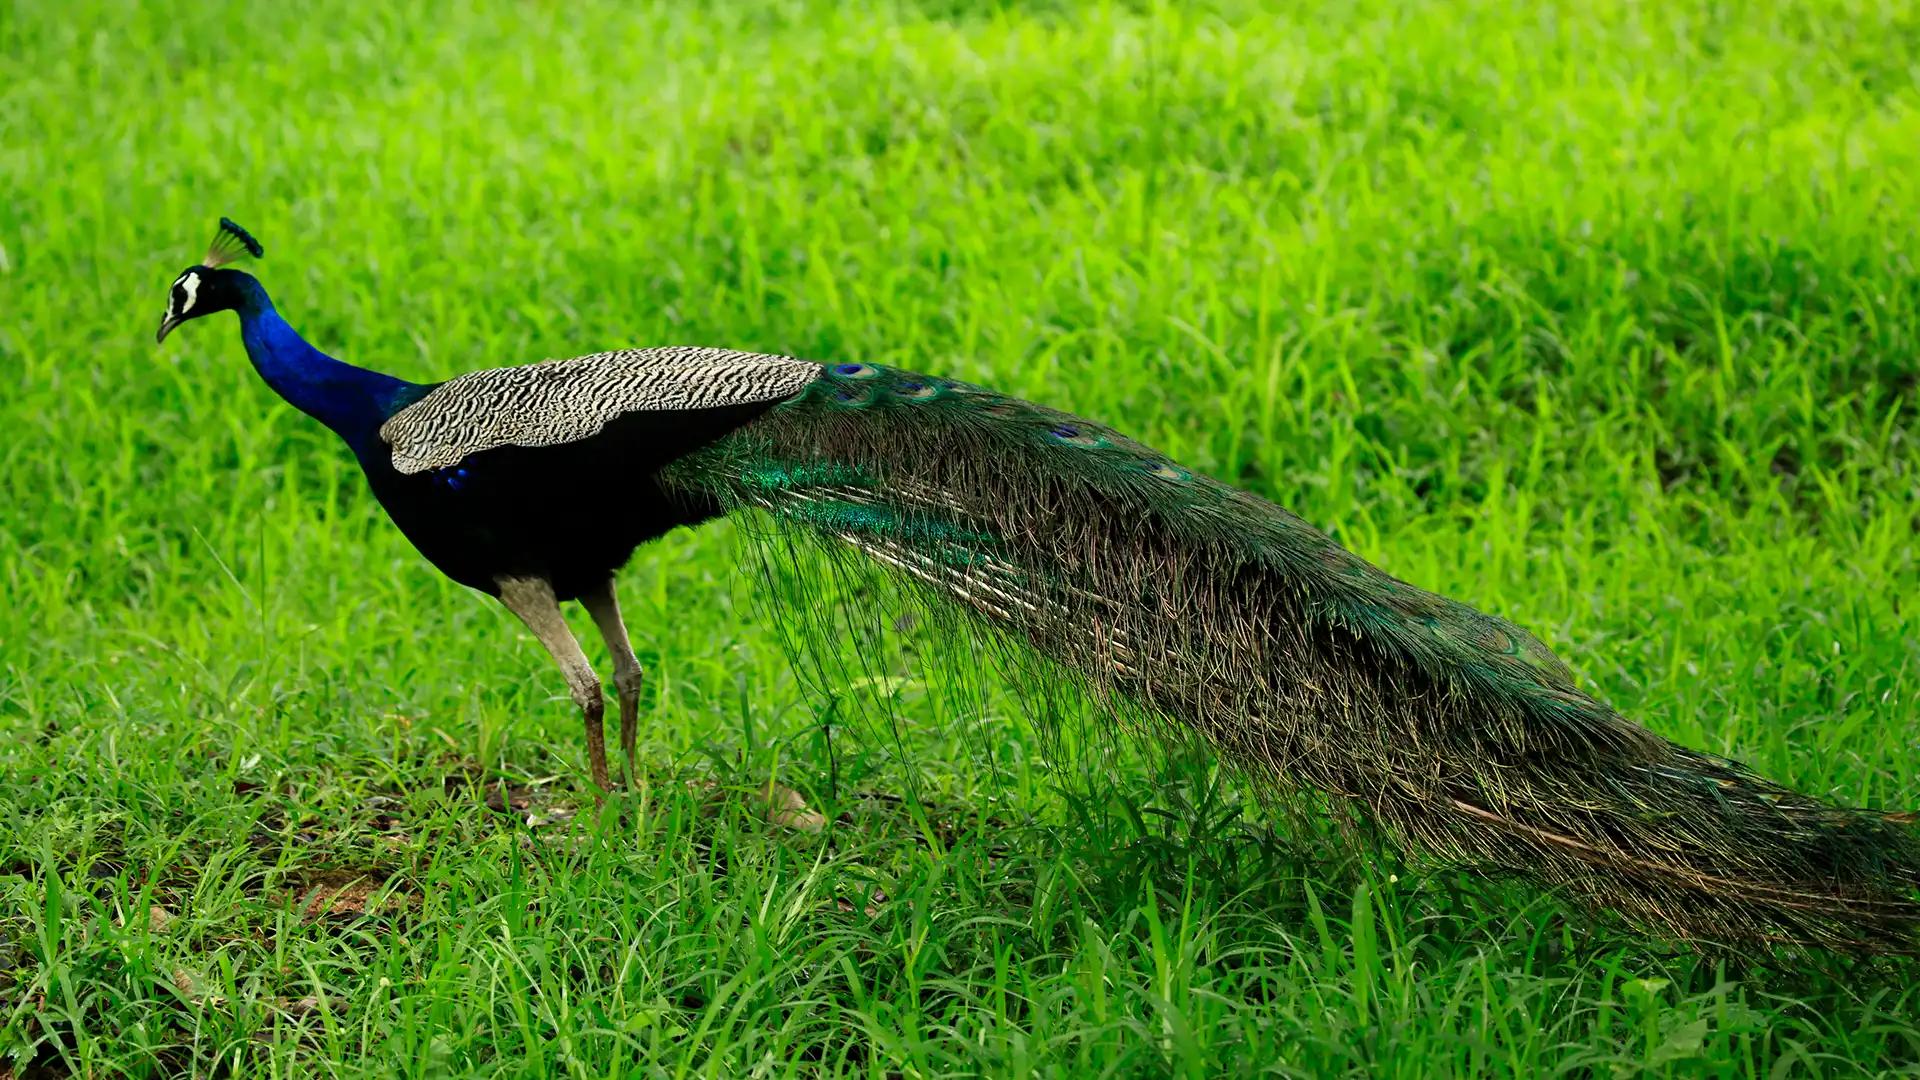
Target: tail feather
x,y
1212,611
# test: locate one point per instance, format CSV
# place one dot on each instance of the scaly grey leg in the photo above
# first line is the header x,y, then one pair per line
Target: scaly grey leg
x,y
782,804
532,599
604,606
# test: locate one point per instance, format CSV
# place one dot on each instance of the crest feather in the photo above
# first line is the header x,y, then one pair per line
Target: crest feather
x,y
231,244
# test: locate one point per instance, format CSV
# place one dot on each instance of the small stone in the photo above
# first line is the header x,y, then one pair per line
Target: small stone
x,y
158,918
786,808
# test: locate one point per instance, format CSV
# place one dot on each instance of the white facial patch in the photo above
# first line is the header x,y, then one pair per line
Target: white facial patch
x,y
189,284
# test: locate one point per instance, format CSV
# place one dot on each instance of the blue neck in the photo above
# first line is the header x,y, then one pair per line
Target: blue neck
x,y
352,401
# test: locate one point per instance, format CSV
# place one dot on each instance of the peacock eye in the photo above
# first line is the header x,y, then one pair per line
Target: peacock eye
x,y
1077,436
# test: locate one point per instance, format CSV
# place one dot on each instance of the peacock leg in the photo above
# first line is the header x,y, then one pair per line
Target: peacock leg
x,y
602,603
781,804
532,599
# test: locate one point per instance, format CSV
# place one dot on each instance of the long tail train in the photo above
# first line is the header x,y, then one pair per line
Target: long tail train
x,y
1303,666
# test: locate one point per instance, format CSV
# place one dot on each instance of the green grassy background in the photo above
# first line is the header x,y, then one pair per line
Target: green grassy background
x,y
1600,316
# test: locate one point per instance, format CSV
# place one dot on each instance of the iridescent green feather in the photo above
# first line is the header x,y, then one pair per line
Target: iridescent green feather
x,y
1196,608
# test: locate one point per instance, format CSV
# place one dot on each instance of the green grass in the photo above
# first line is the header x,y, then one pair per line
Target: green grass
x,y
1600,316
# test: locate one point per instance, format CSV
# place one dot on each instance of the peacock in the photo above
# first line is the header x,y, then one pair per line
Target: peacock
x,y
1197,609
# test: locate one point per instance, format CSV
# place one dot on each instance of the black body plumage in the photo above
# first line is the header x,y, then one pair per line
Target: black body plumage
x,y
1179,604
571,512
550,470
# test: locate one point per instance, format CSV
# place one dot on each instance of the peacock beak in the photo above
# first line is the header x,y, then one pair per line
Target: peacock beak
x,y
166,327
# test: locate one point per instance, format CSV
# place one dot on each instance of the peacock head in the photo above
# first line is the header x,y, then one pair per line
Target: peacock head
x,y
206,288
